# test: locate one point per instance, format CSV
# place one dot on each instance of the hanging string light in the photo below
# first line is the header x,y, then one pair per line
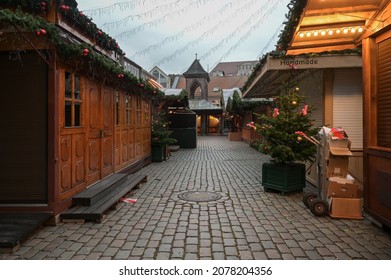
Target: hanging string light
x,y
204,21
108,10
271,40
253,28
157,10
238,30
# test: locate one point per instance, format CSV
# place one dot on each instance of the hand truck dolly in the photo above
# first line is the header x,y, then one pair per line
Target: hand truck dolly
x,y
317,201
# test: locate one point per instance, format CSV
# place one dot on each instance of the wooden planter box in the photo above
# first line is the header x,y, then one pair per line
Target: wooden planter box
x,y
235,136
283,177
157,153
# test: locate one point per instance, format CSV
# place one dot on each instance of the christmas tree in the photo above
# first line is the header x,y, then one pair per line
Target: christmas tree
x,y
160,134
283,133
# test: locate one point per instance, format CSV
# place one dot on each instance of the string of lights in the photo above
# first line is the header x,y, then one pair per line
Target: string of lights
x,y
199,24
176,7
258,13
247,34
163,31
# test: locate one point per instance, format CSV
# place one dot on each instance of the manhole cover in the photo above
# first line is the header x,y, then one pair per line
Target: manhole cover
x,y
199,196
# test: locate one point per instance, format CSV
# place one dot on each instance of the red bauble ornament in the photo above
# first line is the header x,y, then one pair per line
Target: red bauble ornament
x,y
41,32
141,85
85,52
43,4
64,7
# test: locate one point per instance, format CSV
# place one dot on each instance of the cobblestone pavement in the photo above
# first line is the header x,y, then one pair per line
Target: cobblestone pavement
x,y
244,223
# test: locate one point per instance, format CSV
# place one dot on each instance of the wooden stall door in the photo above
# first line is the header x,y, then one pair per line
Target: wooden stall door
x,y
100,147
107,161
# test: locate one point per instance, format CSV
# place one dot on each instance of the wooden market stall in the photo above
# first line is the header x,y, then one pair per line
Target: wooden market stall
x,y
327,26
75,111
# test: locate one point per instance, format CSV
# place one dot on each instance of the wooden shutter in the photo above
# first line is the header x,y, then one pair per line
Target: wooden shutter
x,y
384,94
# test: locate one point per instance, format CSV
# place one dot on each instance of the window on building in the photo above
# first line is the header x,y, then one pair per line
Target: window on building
x,y
156,74
128,109
73,100
138,110
146,112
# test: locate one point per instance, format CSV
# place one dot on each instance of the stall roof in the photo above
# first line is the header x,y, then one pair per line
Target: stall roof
x,y
204,106
276,70
333,25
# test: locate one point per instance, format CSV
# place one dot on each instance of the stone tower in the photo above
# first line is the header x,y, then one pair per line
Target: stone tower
x,y
196,77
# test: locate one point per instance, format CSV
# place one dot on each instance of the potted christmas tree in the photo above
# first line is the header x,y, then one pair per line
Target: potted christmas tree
x,y
160,138
282,138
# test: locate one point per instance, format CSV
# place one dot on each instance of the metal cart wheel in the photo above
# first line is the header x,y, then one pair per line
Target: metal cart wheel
x,y
308,197
319,207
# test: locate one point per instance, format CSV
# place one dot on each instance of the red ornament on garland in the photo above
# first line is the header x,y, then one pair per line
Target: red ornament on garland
x,y
64,7
41,32
85,52
141,85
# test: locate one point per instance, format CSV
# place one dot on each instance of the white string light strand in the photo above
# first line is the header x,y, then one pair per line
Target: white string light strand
x,y
253,28
108,10
148,14
157,21
226,39
272,39
196,25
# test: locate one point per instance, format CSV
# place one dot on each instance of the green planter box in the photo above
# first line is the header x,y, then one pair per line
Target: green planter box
x,y
157,153
283,177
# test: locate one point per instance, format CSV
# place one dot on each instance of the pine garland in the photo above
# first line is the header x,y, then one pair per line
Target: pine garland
x,y
83,53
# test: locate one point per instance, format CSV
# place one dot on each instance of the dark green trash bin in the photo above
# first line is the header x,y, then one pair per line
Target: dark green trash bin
x,y
183,124
186,137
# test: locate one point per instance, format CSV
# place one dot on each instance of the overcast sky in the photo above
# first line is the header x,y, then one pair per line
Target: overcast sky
x,y
169,33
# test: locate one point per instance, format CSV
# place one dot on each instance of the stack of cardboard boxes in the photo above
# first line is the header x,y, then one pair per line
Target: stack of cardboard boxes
x,y
343,192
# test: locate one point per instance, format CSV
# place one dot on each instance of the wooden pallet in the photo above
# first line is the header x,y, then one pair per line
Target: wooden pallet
x,y
94,202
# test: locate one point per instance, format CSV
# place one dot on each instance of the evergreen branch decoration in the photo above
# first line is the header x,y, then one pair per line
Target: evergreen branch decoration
x,y
114,72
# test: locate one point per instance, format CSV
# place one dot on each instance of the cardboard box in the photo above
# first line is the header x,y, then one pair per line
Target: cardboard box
x,y
347,208
337,152
343,188
337,166
336,142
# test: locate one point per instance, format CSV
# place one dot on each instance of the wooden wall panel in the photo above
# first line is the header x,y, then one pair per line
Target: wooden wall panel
x,y
139,142
117,149
79,159
378,194
94,133
72,163
107,163
65,163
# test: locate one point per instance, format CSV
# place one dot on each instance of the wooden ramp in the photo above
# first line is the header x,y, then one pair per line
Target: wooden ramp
x,y
16,227
92,203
